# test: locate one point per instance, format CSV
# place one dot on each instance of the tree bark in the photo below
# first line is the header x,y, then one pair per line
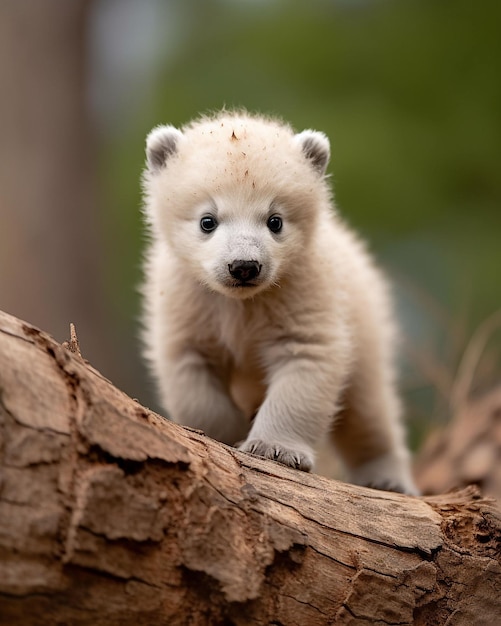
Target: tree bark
x,y
110,514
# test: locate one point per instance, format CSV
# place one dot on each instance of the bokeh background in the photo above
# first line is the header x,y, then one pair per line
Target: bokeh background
x,y
409,92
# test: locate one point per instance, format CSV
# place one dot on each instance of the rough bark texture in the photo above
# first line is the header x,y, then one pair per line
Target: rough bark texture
x,y
110,515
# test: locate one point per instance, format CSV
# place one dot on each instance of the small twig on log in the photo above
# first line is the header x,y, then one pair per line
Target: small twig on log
x,y
73,344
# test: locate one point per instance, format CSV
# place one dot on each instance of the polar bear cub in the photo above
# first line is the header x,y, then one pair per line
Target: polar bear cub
x,y
265,320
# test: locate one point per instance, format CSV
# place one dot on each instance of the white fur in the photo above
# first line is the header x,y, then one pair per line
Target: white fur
x,y
310,343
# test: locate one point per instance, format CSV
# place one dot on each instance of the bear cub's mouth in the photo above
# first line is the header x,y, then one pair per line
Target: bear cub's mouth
x,y
243,285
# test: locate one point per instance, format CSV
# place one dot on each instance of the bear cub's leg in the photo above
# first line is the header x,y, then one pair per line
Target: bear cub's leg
x,y
369,436
198,397
298,407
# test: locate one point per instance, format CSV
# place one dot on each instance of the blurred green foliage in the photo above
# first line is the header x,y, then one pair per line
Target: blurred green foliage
x,y
408,91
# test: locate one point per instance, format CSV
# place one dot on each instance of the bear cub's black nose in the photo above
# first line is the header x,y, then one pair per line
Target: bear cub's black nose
x,y
244,271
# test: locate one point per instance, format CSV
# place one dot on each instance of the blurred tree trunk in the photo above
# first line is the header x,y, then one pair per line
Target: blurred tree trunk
x,y
50,250
110,516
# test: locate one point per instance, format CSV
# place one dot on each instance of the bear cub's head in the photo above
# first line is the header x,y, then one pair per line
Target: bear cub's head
x,y
235,199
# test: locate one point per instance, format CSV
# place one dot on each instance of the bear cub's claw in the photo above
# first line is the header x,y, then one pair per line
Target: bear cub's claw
x,y
277,452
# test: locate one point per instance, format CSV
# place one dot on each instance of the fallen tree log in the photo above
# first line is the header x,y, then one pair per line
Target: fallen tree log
x,y
111,515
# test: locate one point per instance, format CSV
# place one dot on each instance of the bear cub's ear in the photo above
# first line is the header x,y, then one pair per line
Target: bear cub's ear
x,y
316,148
161,143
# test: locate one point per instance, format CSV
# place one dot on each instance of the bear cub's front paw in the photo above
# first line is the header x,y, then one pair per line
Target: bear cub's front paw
x,y
277,452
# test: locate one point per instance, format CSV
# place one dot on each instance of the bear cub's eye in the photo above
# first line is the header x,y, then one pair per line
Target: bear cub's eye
x,y
208,223
274,223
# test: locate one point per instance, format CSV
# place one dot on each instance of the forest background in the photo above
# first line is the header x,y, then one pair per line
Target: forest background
x,y
407,90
